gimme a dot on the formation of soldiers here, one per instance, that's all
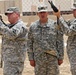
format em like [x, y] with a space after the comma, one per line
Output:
[43, 41]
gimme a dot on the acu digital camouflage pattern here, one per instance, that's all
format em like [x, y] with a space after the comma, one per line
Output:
[69, 29]
[13, 47]
[45, 46]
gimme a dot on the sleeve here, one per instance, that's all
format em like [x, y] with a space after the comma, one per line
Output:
[30, 45]
[69, 30]
[11, 33]
[60, 43]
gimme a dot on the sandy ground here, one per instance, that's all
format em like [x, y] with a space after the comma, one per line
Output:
[64, 68]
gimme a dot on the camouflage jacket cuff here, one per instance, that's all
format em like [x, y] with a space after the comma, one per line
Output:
[31, 56]
[63, 22]
[60, 58]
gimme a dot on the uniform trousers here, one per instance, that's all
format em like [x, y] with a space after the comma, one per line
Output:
[13, 68]
[46, 64]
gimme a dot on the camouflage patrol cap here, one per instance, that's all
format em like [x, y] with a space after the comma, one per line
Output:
[42, 8]
[74, 6]
[12, 10]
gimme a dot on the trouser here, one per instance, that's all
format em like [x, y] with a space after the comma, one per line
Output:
[73, 68]
[72, 59]
[46, 64]
[13, 68]
[73, 71]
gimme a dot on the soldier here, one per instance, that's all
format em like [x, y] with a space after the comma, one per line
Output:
[13, 42]
[69, 29]
[45, 49]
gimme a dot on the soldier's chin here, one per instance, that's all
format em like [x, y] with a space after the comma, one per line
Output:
[43, 17]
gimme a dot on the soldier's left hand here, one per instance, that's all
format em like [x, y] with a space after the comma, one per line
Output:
[60, 62]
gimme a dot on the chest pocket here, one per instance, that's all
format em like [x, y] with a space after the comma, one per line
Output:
[44, 34]
[51, 33]
[37, 34]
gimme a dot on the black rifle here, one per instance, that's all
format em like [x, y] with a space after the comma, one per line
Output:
[2, 21]
[58, 26]
[1, 61]
[53, 6]
[54, 9]
[5, 23]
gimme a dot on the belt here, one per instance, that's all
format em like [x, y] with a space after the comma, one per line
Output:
[52, 52]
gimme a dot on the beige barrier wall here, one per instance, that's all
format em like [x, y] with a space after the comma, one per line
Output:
[2, 7]
[8, 3]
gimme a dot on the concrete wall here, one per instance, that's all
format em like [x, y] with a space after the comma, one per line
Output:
[26, 19]
[1, 6]
[8, 3]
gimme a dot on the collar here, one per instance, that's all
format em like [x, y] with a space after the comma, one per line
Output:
[11, 25]
[46, 25]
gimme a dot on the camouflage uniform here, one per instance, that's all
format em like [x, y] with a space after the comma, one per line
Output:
[45, 47]
[69, 29]
[13, 47]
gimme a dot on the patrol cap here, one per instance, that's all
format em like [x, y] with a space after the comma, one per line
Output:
[42, 8]
[12, 10]
[74, 6]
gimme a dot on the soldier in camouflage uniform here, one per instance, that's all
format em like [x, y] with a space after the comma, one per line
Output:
[13, 42]
[69, 29]
[45, 49]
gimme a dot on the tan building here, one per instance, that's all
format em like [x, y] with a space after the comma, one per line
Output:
[4, 4]
[28, 8]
